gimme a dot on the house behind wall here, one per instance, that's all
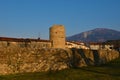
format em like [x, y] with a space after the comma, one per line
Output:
[97, 46]
[78, 45]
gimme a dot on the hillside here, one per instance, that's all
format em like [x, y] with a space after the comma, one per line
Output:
[96, 35]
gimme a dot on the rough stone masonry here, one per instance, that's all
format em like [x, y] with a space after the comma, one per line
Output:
[20, 60]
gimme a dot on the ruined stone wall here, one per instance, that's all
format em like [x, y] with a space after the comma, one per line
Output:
[57, 36]
[40, 44]
[3, 43]
[32, 44]
[19, 60]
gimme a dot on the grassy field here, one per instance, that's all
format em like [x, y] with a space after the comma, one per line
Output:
[109, 71]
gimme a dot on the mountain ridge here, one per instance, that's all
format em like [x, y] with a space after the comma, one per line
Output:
[96, 35]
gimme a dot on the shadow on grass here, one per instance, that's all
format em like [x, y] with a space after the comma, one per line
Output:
[115, 64]
[100, 72]
[112, 68]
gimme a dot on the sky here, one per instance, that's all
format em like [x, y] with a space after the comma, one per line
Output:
[33, 18]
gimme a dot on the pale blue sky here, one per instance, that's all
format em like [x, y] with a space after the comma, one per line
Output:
[31, 18]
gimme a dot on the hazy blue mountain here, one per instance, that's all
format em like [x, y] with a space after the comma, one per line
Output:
[96, 35]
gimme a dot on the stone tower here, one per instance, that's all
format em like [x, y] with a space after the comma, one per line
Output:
[57, 36]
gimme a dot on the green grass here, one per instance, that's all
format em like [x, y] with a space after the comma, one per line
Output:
[109, 71]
